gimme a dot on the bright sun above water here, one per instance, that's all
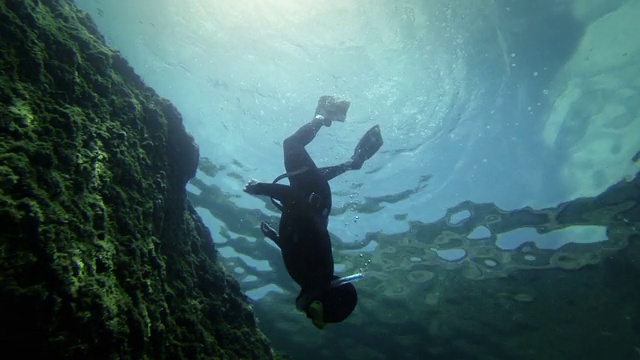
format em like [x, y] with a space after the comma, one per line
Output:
[501, 102]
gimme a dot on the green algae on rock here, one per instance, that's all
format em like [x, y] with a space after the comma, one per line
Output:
[101, 256]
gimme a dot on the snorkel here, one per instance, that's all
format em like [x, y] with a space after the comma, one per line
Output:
[346, 279]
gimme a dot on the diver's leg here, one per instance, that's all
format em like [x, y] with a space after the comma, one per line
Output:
[330, 172]
[306, 180]
[296, 157]
[368, 145]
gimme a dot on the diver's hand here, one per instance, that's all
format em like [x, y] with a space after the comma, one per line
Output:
[251, 187]
[268, 231]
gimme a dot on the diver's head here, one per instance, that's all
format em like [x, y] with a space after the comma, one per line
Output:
[332, 305]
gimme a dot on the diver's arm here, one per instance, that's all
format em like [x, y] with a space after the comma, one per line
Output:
[282, 193]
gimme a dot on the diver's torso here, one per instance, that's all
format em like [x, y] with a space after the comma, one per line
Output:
[305, 243]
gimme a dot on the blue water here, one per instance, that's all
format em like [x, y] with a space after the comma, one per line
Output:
[468, 97]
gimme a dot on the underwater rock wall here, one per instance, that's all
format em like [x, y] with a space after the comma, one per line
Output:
[101, 256]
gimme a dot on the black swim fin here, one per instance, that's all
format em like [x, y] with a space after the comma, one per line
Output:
[368, 145]
[332, 109]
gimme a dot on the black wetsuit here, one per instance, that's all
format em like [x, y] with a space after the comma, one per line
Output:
[306, 203]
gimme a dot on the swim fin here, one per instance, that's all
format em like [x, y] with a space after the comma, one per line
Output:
[332, 109]
[368, 145]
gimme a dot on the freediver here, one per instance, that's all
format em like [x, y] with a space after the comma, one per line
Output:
[303, 237]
